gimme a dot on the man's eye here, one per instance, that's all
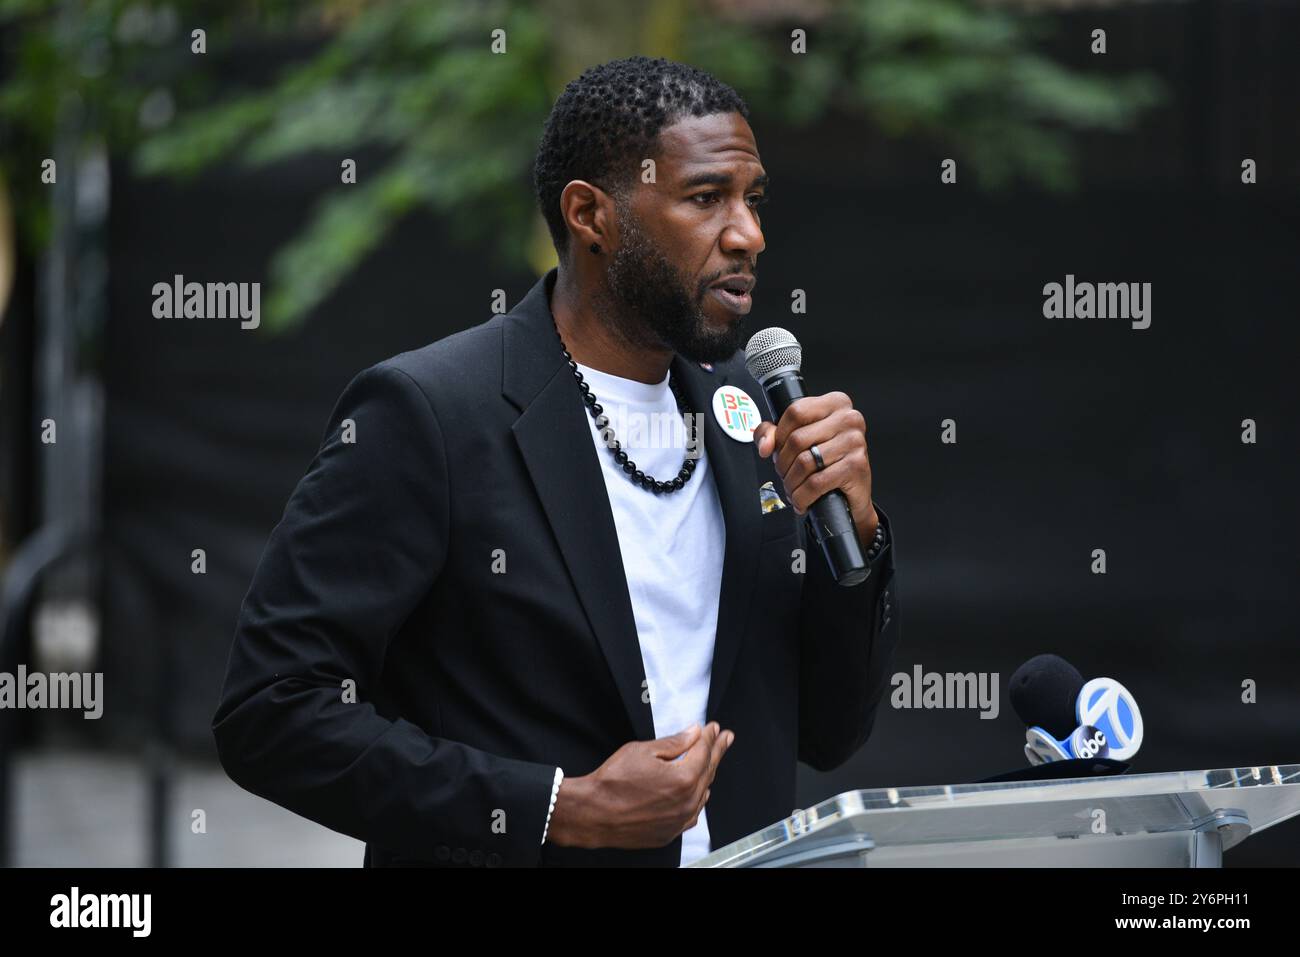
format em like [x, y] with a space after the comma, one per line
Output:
[756, 200]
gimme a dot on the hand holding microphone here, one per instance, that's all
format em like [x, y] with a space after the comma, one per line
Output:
[820, 448]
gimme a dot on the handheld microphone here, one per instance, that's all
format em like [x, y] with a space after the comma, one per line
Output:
[773, 357]
[1070, 718]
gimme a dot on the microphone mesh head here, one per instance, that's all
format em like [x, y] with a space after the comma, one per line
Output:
[771, 349]
[1043, 693]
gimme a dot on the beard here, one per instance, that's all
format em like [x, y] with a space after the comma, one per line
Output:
[649, 305]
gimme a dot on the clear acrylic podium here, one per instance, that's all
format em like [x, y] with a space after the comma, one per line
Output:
[1174, 819]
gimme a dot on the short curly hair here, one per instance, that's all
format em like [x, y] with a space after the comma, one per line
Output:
[608, 120]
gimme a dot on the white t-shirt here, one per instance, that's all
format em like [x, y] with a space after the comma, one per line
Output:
[672, 545]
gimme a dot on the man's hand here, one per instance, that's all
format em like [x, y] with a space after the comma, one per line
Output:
[642, 796]
[840, 433]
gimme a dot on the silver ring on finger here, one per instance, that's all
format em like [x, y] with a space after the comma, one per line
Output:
[817, 457]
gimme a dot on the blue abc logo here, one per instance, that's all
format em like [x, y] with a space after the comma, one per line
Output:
[1107, 705]
[1089, 742]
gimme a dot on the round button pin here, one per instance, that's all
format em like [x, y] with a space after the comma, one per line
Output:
[736, 412]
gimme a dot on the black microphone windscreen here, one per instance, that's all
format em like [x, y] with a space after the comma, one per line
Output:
[1043, 693]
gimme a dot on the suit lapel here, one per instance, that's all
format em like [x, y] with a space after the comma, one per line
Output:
[555, 441]
[554, 438]
[734, 471]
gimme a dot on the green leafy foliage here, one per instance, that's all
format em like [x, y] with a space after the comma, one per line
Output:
[455, 124]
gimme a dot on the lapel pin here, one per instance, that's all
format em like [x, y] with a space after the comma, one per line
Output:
[736, 412]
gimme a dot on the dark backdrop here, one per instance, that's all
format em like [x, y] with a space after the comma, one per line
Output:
[925, 304]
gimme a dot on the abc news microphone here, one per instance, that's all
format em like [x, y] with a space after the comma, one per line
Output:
[1073, 727]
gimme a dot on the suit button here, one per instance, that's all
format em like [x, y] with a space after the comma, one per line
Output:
[458, 856]
[476, 858]
[494, 859]
[442, 852]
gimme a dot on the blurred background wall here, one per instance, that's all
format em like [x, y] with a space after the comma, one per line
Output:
[924, 304]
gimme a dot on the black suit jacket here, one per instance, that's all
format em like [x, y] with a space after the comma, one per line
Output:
[389, 680]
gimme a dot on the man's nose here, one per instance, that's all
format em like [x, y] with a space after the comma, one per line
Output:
[744, 235]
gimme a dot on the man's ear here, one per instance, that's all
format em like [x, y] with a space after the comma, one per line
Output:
[583, 207]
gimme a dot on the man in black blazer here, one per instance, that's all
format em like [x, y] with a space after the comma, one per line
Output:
[441, 629]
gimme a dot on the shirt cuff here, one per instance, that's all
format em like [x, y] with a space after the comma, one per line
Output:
[555, 792]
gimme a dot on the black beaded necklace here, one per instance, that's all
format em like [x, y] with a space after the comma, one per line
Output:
[647, 482]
